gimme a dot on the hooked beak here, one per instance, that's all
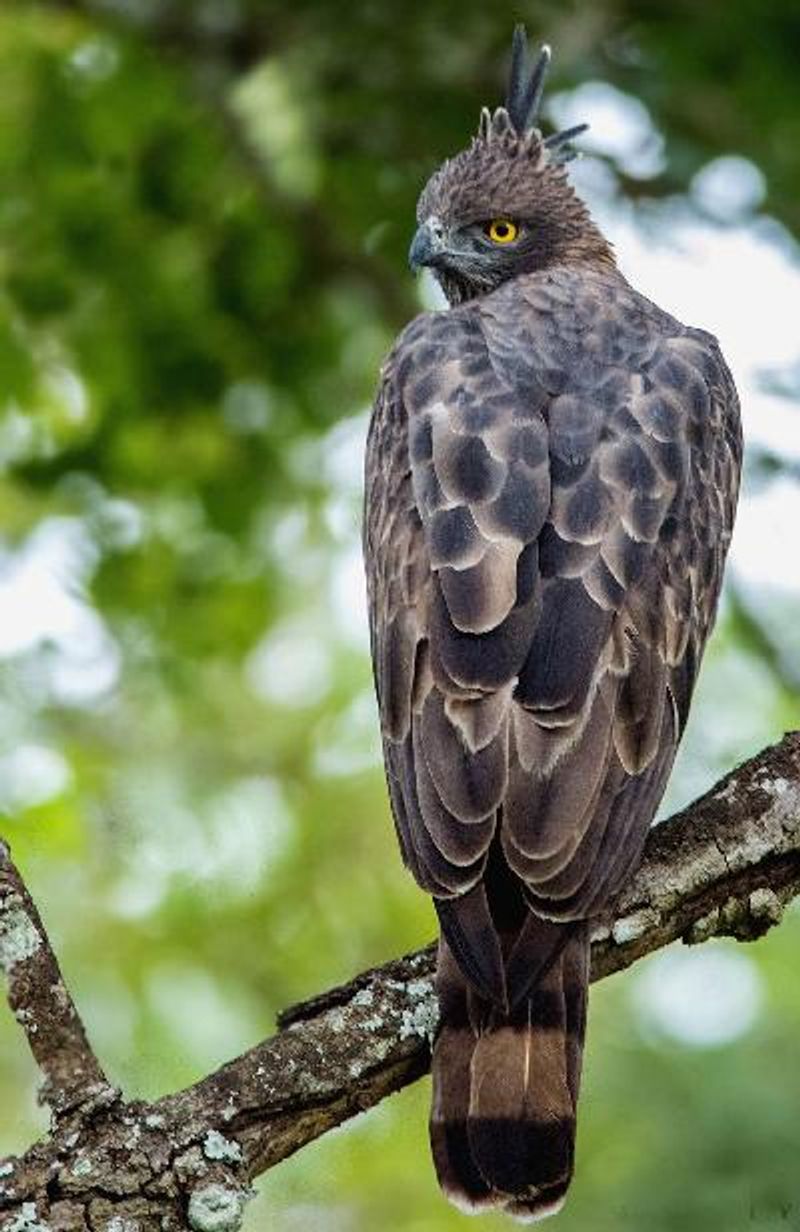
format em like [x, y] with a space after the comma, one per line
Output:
[427, 246]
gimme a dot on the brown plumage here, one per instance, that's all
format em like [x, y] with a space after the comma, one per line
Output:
[551, 479]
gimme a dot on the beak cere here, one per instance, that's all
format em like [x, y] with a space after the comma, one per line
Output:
[427, 245]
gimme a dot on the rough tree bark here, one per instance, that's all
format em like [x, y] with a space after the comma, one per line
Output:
[726, 865]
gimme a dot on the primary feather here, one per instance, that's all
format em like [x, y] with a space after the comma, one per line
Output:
[551, 478]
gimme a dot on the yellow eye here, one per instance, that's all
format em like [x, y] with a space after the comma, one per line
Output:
[502, 230]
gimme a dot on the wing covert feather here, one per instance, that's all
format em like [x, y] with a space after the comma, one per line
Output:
[552, 475]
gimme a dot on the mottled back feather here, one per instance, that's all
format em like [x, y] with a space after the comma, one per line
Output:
[552, 474]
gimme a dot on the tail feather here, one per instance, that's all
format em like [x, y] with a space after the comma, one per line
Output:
[467, 924]
[456, 1169]
[506, 1086]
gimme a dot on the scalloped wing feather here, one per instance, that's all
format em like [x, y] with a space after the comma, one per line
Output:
[551, 480]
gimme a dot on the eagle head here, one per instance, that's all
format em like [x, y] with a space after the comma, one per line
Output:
[504, 206]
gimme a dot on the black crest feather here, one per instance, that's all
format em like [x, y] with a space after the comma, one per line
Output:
[525, 86]
[523, 99]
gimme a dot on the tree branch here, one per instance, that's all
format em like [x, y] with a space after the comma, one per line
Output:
[726, 865]
[40, 1001]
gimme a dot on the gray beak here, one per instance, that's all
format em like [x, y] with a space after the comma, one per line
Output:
[427, 245]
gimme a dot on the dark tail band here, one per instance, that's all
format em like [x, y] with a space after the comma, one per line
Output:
[505, 1086]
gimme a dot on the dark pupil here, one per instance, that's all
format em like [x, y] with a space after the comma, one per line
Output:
[501, 230]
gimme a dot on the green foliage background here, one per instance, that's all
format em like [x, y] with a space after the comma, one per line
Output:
[204, 213]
